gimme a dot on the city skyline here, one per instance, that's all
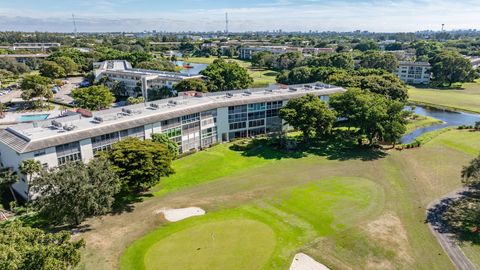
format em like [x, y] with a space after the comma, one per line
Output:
[248, 15]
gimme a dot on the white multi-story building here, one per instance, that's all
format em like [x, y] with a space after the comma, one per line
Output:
[247, 52]
[35, 46]
[137, 81]
[194, 122]
[414, 72]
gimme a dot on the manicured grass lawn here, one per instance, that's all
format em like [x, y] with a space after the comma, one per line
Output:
[262, 235]
[467, 99]
[348, 210]
[421, 121]
[261, 77]
[226, 244]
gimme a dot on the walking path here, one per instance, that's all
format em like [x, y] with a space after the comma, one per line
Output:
[444, 237]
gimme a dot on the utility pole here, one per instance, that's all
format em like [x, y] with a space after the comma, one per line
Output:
[74, 25]
[226, 23]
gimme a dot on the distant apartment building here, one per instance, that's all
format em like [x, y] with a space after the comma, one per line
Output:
[414, 72]
[475, 61]
[35, 46]
[136, 81]
[247, 52]
[193, 121]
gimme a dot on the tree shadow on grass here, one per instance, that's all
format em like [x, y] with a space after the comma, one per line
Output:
[331, 149]
[125, 201]
[435, 216]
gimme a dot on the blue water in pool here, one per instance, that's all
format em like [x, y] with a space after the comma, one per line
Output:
[33, 117]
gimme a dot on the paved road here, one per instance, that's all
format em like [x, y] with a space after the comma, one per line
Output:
[446, 239]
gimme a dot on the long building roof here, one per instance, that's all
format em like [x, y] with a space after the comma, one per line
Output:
[24, 138]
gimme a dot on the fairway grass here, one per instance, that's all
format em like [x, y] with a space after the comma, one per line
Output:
[261, 77]
[262, 235]
[234, 244]
[466, 99]
[349, 210]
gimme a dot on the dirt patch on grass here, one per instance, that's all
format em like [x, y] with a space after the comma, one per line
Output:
[387, 231]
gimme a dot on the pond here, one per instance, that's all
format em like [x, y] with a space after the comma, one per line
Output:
[195, 68]
[449, 118]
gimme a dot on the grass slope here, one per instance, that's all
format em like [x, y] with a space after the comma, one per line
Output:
[467, 99]
[305, 200]
[244, 238]
[421, 121]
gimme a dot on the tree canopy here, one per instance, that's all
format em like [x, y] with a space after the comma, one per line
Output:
[379, 60]
[191, 85]
[23, 247]
[36, 86]
[52, 70]
[157, 65]
[226, 75]
[163, 139]
[310, 115]
[449, 67]
[75, 191]
[140, 164]
[93, 98]
[375, 116]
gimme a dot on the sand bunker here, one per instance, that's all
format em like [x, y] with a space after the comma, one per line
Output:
[302, 261]
[181, 213]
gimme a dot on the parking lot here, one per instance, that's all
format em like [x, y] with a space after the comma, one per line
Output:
[62, 96]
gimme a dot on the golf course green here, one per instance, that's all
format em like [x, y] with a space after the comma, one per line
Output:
[262, 235]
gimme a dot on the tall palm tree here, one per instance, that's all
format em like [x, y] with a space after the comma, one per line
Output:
[8, 177]
[29, 167]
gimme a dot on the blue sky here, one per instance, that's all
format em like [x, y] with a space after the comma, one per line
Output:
[245, 15]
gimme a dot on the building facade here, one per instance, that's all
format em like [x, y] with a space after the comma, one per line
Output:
[136, 82]
[414, 72]
[35, 46]
[248, 52]
[194, 122]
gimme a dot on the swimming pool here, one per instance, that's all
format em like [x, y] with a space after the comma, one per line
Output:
[32, 117]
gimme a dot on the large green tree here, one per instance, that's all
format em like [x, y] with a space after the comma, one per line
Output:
[226, 75]
[67, 64]
[30, 168]
[93, 98]
[388, 85]
[375, 116]
[36, 86]
[310, 115]
[23, 247]
[191, 85]
[8, 177]
[157, 65]
[163, 139]
[75, 191]
[52, 70]
[379, 60]
[449, 67]
[140, 164]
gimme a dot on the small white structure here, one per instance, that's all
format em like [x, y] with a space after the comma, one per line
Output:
[174, 215]
[302, 261]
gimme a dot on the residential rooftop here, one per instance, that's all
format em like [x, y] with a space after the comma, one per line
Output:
[123, 67]
[38, 135]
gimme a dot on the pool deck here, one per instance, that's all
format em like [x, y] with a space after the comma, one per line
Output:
[12, 117]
